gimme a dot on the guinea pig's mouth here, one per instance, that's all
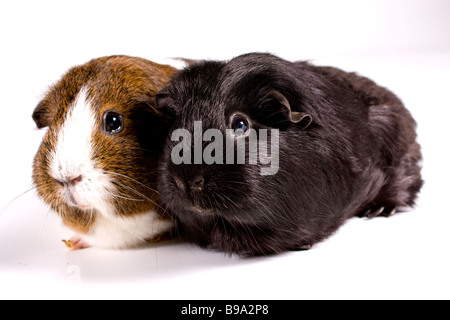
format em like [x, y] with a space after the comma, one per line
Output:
[80, 206]
[74, 201]
[202, 211]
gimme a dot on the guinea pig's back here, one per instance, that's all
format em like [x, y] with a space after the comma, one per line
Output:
[393, 130]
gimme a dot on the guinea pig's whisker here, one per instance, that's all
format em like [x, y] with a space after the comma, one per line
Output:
[218, 221]
[116, 195]
[164, 210]
[227, 202]
[44, 224]
[134, 191]
[131, 179]
[16, 198]
[145, 198]
[91, 215]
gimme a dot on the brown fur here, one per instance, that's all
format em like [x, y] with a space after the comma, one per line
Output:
[120, 83]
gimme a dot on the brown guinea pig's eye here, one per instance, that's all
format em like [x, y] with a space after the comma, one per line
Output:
[112, 122]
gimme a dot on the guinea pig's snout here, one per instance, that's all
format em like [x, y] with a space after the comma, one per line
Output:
[195, 194]
[193, 186]
[70, 181]
[71, 188]
[197, 183]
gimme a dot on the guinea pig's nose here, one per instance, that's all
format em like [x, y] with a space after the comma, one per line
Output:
[74, 180]
[197, 183]
[70, 181]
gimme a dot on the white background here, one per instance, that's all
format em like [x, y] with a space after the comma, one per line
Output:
[403, 45]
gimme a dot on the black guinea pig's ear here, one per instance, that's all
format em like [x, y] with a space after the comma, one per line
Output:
[44, 114]
[302, 119]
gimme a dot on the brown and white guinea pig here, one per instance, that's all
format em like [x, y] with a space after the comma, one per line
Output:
[93, 167]
[345, 146]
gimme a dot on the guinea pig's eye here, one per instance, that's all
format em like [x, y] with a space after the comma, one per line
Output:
[112, 122]
[240, 123]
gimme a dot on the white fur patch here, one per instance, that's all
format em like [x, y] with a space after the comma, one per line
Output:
[125, 232]
[177, 63]
[72, 157]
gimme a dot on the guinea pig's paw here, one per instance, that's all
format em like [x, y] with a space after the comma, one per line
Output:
[76, 243]
[379, 211]
[301, 247]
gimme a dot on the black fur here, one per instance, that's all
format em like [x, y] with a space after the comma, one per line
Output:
[358, 156]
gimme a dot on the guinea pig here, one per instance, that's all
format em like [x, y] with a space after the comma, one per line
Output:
[327, 145]
[98, 162]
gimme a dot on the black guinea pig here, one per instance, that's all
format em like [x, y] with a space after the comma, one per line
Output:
[268, 156]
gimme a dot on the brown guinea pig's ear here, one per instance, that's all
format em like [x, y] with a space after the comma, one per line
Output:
[44, 114]
[164, 103]
[147, 101]
[303, 119]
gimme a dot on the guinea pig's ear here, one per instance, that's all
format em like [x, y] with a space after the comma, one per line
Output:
[303, 119]
[164, 103]
[44, 114]
[147, 102]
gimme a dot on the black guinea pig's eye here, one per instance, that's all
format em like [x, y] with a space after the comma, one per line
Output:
[240, 123]
[112, 122]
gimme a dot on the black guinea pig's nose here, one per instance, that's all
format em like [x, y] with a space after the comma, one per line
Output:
[197, 183]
